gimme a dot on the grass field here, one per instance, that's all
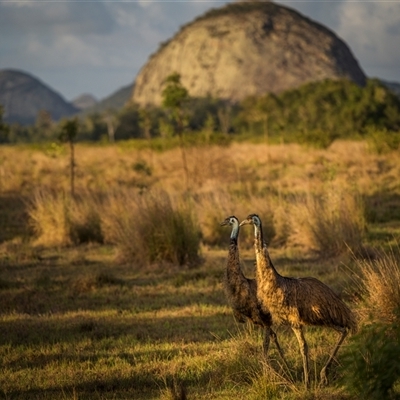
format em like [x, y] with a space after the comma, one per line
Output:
[86, 319]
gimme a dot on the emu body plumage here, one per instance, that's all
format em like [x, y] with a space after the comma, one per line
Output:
[298, 301]
[241, 292]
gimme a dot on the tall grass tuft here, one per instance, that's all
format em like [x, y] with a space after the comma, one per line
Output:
[59, 220]
[151, 228]
[85, 219]
[48, 212]
[371, 364]
[214, 207]
[380, 285]
[330, 224]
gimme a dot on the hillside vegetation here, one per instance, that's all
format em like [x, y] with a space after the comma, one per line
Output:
[314, 114]
[117, 291]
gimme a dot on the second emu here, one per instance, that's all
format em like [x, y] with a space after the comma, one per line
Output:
[298, 301]
[241, 292]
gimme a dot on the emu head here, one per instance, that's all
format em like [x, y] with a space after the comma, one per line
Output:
[232, 221]
[252, 219]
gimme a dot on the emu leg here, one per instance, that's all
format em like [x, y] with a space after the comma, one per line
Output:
[324, 370]
[266, 341]
[272, 334]
[304, 353]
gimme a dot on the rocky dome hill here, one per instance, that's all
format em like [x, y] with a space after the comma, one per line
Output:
[247, 49]
[22, 96]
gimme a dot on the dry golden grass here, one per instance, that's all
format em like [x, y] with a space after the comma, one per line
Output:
[380, 285]
[330, 223]
[59, 220]
[240, 167]
[76, 322]
[312, 199]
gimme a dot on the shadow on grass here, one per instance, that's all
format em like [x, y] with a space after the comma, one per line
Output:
[382, 207]
[26, 330]
[87, 294]
[134, 387]
[99, 354]
[13, 217]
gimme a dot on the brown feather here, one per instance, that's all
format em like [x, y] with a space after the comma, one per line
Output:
[298, 301]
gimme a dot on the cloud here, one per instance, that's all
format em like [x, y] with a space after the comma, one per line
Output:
[52, 34]
[373, 32]
[326, 13]
[370, 29]
[58, 17]
[95, 46]
[99, 44]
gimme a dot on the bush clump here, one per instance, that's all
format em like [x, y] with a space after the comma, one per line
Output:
[60, 220]
[331, 224]
[371, 364]
[150, 228]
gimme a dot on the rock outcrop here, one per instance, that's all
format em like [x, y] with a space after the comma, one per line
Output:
[247, 48]
[22, 97]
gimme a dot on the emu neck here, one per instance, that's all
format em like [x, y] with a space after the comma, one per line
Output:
[265, 269]
[235, 233]
[233, 270]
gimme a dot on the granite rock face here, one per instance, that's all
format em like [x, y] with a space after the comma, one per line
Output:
[247, 49]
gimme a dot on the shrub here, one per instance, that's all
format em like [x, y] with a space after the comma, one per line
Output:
[215, 206]
[84, 221]
[380, 285]
[330, 224]
[371, 364]
[149, 228]
[59, 220]
[49, 217]
[316, 138]
[383, 141]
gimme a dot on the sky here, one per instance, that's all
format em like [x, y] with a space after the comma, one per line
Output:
[97, 47]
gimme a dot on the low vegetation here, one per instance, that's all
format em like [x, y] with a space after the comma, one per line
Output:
[373, 356]
[116, 291]
[314, 114]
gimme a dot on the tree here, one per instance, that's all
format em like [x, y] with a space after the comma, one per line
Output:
[44, 124]
[111, 119]
[225, 118]
[69, 131]
[174, 96]
[145, 122]
[4, 129]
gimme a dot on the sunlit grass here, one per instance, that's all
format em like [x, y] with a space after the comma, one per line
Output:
[78, 325]
[79, 321]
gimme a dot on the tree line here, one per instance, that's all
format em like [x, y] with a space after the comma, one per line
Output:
[316, 113]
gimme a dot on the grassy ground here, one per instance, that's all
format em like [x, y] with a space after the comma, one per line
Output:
[77, 322]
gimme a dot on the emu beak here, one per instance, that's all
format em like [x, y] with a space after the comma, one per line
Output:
[246, 221]
[224, 223]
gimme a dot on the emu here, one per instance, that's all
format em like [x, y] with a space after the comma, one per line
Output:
[298, 301]
[241, 292]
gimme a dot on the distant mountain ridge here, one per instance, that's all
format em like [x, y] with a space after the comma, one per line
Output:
[84, 101]
[114, 101]
[22, 96]
[393, 86]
